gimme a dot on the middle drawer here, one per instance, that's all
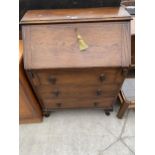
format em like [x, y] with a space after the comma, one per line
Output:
[53, 92]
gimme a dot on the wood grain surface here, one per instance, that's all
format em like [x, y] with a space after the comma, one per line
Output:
[75, 15]
[29, 109]
[78, 76]
[108, 45]
[61, 74]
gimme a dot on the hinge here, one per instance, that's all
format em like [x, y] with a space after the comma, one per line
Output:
[33, 78]
[31, 74]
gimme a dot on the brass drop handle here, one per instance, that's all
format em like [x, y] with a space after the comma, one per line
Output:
[96, 104]
[52, 79]
[99, 92]
[82, 44]
[56, 93]
[102, 77]
[58, 104]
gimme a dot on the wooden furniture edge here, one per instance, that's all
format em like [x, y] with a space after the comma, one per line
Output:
[37, 16]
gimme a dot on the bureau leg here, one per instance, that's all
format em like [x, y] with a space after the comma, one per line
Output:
[46, 113]
[107, 112]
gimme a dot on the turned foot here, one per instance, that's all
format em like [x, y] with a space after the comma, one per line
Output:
[107, 112]
[46, 114]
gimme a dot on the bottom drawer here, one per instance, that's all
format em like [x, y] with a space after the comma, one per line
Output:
[79, 103]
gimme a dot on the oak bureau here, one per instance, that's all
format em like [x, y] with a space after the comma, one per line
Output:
[77, 58]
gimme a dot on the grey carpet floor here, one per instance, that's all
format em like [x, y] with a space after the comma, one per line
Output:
[80, 132]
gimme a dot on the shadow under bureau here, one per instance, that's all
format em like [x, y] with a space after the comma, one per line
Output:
[77, 58]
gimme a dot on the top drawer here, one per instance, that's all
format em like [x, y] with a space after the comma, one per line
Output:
[86, 76]
[57, 45]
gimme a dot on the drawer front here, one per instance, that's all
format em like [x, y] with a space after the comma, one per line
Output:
[80, 103]
[64, 92]
[79, 76]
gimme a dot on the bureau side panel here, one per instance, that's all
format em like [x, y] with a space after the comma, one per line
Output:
[126, 44]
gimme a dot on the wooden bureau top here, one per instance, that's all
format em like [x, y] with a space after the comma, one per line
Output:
[75, 15]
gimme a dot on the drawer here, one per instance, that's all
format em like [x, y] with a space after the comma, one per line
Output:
[79, 76]
[80, 103]
[54, 92]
